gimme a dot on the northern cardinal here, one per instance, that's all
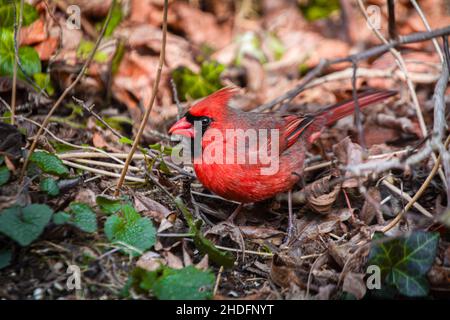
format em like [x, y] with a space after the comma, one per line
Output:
[245, 182]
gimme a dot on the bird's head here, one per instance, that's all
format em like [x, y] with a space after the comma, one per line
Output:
[208, 111]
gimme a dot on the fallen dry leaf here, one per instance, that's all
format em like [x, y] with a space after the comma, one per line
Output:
[354, 283]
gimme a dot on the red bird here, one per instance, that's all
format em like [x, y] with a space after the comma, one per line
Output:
[245, 182]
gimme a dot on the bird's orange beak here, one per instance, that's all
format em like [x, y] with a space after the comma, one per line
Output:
[183, 128]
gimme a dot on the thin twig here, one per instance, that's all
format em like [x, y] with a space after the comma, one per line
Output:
[358, 120]
[96, 116]
[101, 172]
[428, 28]
[98, 152]
[363, 55]
[17, 27]
[66, 91]
[391, 20]
[152, 101]
[406, 196]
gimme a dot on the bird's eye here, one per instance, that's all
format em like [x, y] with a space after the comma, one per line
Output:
[205, 121]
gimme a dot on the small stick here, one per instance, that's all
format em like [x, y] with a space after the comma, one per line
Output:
[358, 120]
[427, 26]
[152, 101]
[17, 27]
[406, 196]
[96, 116]
[102, 172]
[391, 20]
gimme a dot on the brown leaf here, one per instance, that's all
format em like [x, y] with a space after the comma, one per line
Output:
[439, 276]
[47, 48]
[253, 232]
[34, 33]
[200, 27]
[151, 207]
[172, 260]
[354, 283]
[203, 264]
[371, 205]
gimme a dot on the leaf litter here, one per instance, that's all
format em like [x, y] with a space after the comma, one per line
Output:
[167, 228]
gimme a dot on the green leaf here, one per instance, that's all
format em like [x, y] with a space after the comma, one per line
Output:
[116, 18]
[204, 245]
[61, 218]
[85, 48]
[29, 14]
[126, 140]
[28, 56]
[83, 217]
[5, 258]
[131, 231]
[118, 56]
[25, 225]
[49, 163]
[50, 186]
[79, 215]
[4, 175]
[109, 206]
[405, 261]
[190, 84]
[30, 61]
[188, 283]
[318, 9]
[44, 82]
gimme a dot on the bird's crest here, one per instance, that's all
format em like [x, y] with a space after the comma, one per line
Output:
[213, 104]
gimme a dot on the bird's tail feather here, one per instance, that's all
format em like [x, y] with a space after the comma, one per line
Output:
[345, 108]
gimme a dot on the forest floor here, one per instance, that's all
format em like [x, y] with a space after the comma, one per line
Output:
[163, 236]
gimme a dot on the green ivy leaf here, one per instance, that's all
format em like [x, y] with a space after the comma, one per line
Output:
[188, 283]
[4, 175]
[198, 85]
[5, 258]
[205, 246]
[405, 261]
[25, 225]
[29, 14]
[28, 56]
[49, 163]
[49, 186]
[133, 232]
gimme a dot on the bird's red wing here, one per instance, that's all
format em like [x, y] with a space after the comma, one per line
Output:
[294, 127]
